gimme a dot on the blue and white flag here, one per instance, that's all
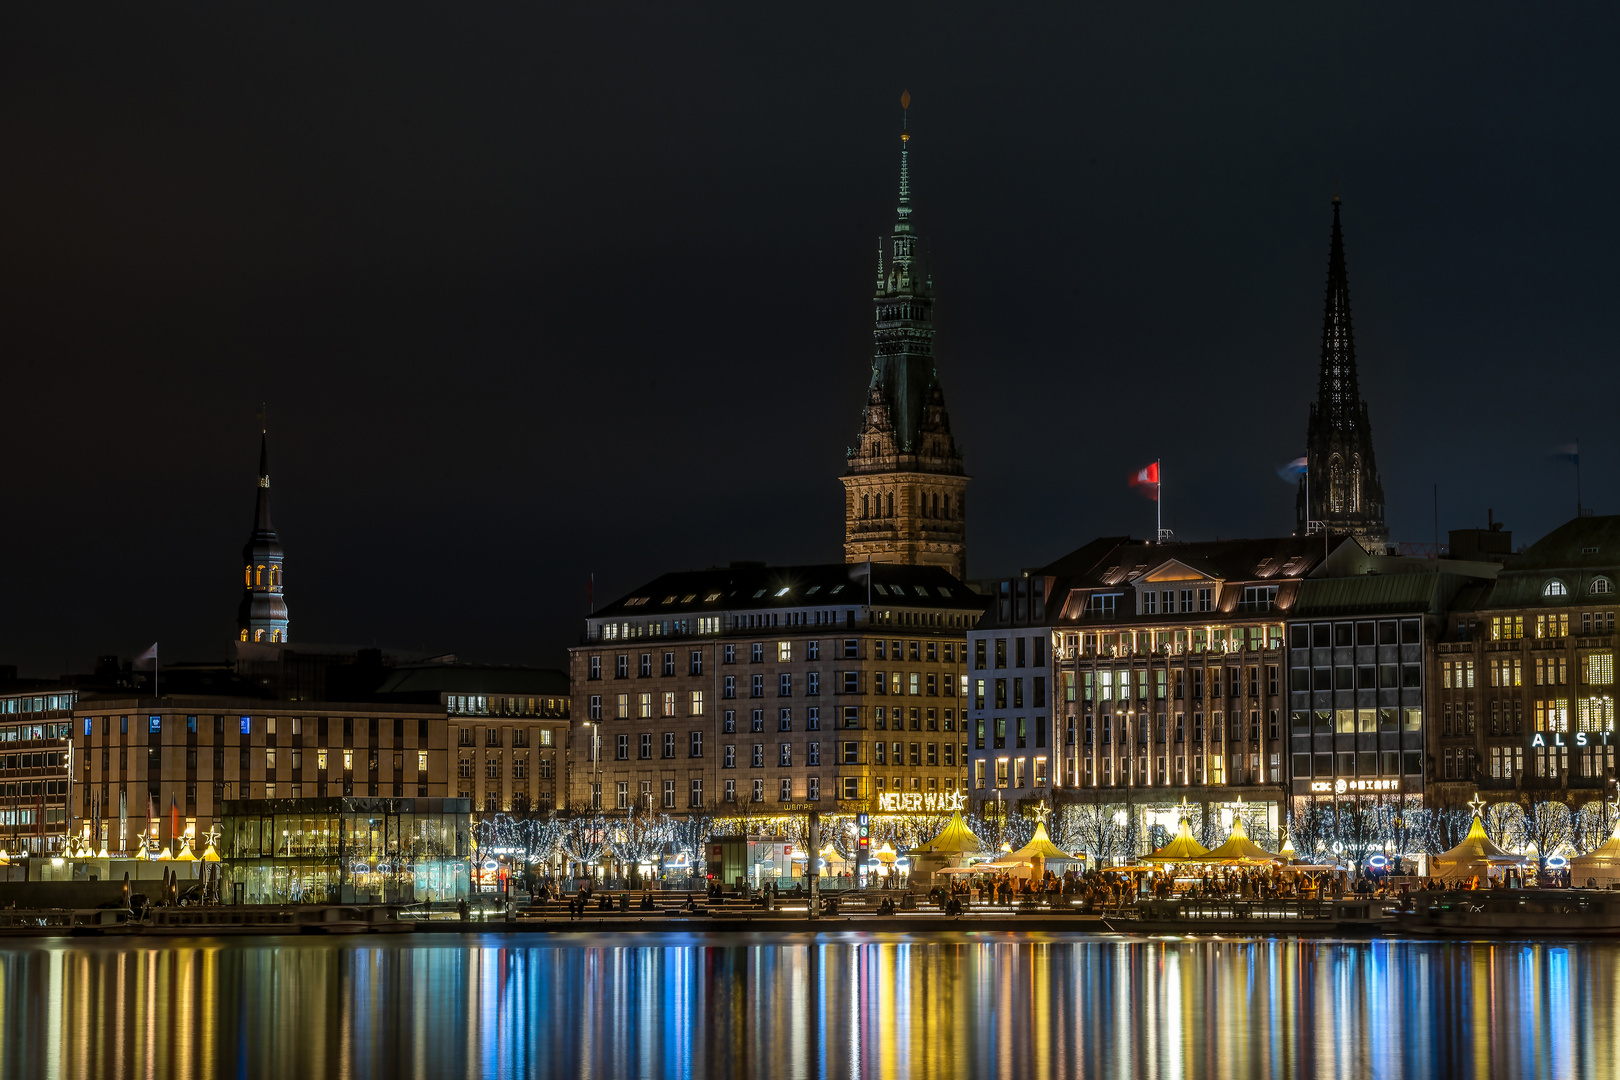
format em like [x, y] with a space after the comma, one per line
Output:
[1294, 469]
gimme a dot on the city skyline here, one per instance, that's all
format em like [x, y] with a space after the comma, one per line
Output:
[1211, 276]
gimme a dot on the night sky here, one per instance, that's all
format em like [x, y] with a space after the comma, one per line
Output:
[531, 296]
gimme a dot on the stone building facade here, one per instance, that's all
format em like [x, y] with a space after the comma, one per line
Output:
[751, 689]
[1526, 674]
[1139, 674]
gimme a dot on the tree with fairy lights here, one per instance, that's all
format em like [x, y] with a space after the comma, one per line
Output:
[585, 840]
[689, 838]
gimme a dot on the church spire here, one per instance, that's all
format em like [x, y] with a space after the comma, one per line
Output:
[1341, 490]
[262, 614]
[1338, 395]
[261, 514]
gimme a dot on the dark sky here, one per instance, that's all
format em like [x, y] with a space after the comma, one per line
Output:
[534, 295]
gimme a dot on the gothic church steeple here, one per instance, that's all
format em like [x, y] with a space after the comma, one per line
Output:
[262, 614]
[1341, 490]
[904, 491]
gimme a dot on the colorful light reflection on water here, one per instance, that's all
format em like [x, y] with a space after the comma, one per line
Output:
[982, 1005]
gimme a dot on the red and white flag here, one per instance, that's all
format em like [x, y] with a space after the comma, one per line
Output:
[1148, 480]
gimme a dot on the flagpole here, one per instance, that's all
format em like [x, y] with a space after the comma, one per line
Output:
[1577, 478]
[1158, 468]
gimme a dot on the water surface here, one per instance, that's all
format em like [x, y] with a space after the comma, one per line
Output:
[839, 1005]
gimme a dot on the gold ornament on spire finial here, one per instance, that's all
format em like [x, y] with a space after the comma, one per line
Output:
[905, 99]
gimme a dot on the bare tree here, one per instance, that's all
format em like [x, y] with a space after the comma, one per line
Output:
[585, 838]
[1504, 824]
[1547, 825]
[1447, 826]
[1594, 824]
[689, 836]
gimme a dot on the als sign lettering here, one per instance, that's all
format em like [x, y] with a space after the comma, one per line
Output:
[1582, 738]
[918, 802]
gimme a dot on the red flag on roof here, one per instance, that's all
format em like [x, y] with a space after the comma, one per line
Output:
[1147, 479]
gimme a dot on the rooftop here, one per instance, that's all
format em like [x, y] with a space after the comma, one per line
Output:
[756, 587]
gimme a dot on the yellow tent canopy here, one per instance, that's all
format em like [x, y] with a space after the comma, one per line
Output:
[1239, 848]
[954, 839]
[1475, 855]
[1180, 850]
[1602, 862]
[1040, 845]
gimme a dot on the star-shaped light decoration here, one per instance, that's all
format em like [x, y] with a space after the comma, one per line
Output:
[1478, 805]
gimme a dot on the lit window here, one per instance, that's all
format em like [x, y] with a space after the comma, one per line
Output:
[1555, 588]
[784, 652]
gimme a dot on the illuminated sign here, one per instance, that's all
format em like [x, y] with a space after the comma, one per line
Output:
[918, 802]
[1582, 738]
[1339, 787]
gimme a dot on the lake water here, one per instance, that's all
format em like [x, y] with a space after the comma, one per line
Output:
[871, 1005]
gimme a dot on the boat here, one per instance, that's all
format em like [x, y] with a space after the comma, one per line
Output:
[1513, 913]
[1187, 915]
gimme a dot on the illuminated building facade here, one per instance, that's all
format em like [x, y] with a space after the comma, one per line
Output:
[1361, 695]
[508, 730]
[1139, 674]
[1340, 490]
[262, 615]
[142, 765]
[760, 689]
[905, 494]
[35, 756]
[1525, 674]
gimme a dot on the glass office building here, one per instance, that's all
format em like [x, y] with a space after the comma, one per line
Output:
[346, 850]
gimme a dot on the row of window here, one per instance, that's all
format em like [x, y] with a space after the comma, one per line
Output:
[45, 703]
[881, 649]
[1344, 635]
[1178, 733]
[265, 725]
[1160, 683]
[1357, 677]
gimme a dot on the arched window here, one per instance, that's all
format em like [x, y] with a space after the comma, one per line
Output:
[947, 506]
[1554, 587]
[866, 506]
[258, 635]
[244, 635]
[1335, 499]
[247, 583]
[258, 577]
[275, 577]
[1601, 586]
[1355, 484]
[891, 505]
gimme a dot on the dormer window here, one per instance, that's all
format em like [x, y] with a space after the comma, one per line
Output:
[1554, 587]
[1601, 586]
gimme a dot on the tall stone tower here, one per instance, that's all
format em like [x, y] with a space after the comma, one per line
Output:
[1340, 490]
[262, 615]
[905, 494]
